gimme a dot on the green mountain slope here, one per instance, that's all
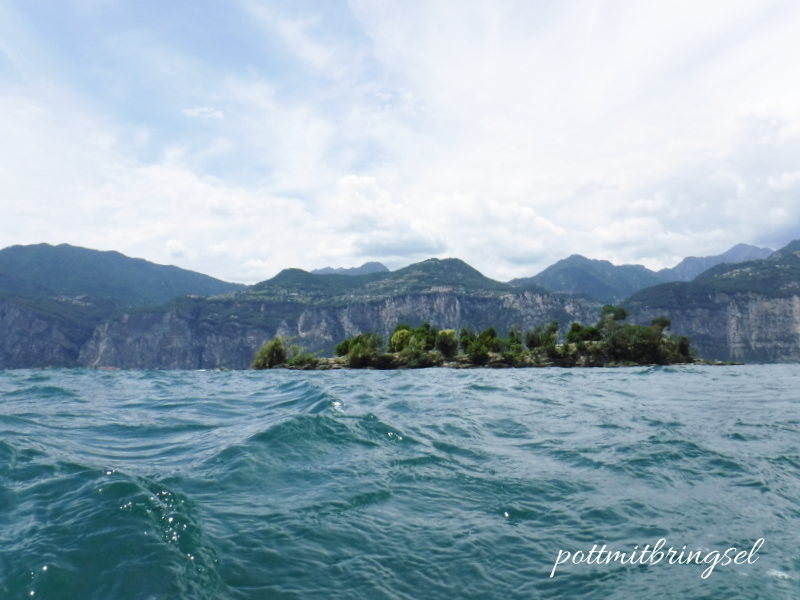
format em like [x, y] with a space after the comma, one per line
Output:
[433, 275]
[45, 271]
[691, 266]
[76, 288]
[595, 278]
[777, 276]
[790, 248]
[745, 312]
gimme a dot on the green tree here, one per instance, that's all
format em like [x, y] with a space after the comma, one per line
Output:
[465, 338]
[364, 350]
[661, 323]
[342, 348]
[579, 334]
[427, 333]
[533, 338]
[478, 353]
[447, 342]
[416, 355]
[399, 340]
[488, 338]
[682, 344]
[296, 356]
[272, 354]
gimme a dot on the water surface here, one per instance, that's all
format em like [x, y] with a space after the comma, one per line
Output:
[398, 485]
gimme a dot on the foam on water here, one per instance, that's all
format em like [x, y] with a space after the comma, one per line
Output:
[426, 484]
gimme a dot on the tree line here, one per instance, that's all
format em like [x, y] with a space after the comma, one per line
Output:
[609, 341]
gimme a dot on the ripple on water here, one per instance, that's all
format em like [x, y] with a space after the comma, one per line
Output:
[436, 484]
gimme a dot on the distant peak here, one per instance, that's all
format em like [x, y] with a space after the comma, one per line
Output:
[366, 268]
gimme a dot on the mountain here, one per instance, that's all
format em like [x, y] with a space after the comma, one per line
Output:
[596, 278]
[443, 275]
[790, 248]
[61, 293]
[321, 310]
[365, 269]
[692, 266]
[64, 271]
[746, 311]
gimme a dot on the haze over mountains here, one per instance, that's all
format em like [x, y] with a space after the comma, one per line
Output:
[68, 306]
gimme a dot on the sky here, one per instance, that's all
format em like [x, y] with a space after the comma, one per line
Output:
[240, 137]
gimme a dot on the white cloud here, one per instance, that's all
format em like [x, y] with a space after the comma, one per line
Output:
[175, 249]
[507, 133]
[784, 182]
[203, 112]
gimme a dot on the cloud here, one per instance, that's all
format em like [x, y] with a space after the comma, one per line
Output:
[203, 112]
[510, 134]
[175, 249]
[784, 182]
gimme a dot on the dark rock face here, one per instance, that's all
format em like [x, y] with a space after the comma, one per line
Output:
[172, 340]
[743, 327]
[28, 341]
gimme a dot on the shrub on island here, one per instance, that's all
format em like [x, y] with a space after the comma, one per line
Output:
[416, 355]
[542, 337]
[363, 350]
[399, 340]
[447, 343]
[275, 354]
[272, 354]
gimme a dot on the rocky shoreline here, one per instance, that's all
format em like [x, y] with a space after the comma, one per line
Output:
[393, 362]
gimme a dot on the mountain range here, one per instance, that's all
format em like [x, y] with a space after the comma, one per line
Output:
[366, 268]
[69, 306]
[613, 283]
[691, 267]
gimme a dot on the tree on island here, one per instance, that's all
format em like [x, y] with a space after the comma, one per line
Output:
[275, 354]
[610, 341]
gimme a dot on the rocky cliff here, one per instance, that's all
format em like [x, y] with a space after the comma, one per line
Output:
[27, 340]
[746, 312]
[183, 339]
[740, 327]
[176, 339]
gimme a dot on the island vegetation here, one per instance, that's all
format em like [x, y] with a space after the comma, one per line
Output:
[610, 342]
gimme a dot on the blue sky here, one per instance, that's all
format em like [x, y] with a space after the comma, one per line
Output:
[238, 138]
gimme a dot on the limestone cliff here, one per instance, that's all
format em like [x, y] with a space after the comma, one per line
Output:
[740, 327]
[28, 341]
[172, 340]
[184, 340]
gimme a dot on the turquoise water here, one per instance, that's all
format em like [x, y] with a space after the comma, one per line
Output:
[396, 485]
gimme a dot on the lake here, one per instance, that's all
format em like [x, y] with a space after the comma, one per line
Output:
[424, 484]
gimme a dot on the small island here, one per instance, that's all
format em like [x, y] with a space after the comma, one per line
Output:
[609, 343]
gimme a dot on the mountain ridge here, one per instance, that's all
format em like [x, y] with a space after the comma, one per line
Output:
[692, 266]
[43, 270]
[600, 279]
[743, 311]
[365, 269]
